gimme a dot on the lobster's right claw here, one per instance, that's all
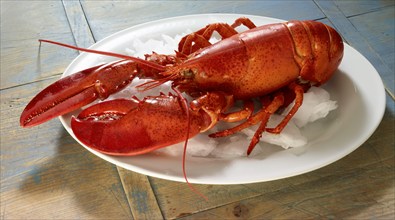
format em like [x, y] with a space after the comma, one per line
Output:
[77, 90]
[132, 127]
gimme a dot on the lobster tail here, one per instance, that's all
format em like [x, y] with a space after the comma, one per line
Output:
[318, 50]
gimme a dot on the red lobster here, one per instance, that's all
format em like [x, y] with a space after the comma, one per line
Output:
[276, 63]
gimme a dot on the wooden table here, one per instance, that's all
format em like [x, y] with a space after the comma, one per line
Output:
[45, 174]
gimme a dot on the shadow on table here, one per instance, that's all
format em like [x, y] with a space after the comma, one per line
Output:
[359, 185]
[77, 184]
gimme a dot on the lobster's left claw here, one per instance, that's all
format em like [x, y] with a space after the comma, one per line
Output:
[131, 127]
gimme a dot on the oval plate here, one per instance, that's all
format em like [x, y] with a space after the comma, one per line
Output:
[357, 87]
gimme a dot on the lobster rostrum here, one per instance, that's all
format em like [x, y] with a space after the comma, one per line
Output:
[274, 63]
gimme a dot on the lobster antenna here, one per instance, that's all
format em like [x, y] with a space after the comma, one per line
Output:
[155, 83]
[185, 105]
[111, 54]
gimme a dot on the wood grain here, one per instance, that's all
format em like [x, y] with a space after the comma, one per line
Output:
[140, 195]
[22, 60]
[380, 36]
[107, 17]
[352, 35]
[45, 174]
[350, 9]
[78, 24]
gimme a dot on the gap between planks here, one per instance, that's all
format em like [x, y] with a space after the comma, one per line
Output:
[355, 38]
[138, 190]
[137, 187]
[56, 76]
[140, 195]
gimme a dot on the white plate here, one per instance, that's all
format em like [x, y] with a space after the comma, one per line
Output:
[356, 86]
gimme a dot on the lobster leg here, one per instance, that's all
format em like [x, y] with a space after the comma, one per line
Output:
[243, 21]
[262, 117]
[197, 40]
[200, 39]
[299, 92]
[244, 113]
[277, 102]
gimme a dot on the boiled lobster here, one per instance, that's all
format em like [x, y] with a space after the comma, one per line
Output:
[274, 64]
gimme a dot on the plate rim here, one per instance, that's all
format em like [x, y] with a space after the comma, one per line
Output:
[198, 181]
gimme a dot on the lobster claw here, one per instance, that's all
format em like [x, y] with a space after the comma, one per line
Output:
[79, 89]
[131, 127]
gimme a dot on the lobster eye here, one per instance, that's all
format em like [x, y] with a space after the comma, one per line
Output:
[189, 73]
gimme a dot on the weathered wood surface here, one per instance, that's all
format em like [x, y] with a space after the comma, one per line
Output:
[45, 174]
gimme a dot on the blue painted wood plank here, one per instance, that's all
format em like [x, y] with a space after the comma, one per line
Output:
[78, 24]
[62, 180]
[46, 174]
[352, 36]
[357, 7]
[22, 59]
[140, 195]
[107, 18]
[378, 29]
